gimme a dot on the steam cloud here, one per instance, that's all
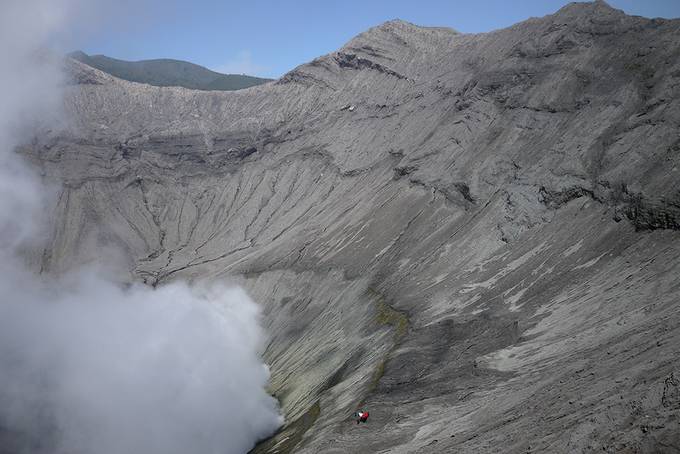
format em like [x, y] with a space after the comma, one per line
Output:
[87, 366]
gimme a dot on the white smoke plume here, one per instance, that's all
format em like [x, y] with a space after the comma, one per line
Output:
[85, 365]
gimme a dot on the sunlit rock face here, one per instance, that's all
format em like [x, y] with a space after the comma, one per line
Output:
[475, 237]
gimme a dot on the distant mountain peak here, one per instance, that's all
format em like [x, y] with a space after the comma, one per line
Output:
[166, 72]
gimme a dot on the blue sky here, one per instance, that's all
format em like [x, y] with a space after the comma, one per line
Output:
[268, 38]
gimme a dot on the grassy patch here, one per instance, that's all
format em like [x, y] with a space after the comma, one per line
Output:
[284, 441]
[387, 315]
[377, 375]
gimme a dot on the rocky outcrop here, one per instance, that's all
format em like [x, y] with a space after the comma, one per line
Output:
[473, 236]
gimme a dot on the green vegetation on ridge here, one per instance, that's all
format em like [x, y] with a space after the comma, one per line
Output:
[168, 73]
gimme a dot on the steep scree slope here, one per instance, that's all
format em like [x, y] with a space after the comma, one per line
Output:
[474, 236]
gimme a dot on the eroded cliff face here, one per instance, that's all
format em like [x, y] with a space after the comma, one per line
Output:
[473, 236]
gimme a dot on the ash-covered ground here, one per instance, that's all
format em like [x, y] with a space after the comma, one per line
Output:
[475, 237]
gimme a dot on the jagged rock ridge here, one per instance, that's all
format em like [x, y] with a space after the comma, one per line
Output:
[483, 250]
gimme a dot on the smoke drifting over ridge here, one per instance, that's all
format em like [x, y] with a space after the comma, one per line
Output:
[86, 366]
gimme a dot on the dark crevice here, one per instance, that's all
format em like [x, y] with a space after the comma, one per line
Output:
[352, 61]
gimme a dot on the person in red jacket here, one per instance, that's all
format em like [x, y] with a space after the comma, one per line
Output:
[361, 416]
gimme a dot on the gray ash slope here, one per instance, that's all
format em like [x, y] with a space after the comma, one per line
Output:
[473, 236]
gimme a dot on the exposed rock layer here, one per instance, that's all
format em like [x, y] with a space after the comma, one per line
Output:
[474, 236]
